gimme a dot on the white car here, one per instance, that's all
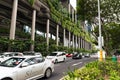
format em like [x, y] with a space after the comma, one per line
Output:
[25, 68]
[57, 56]
[7, 55]
[32, 53]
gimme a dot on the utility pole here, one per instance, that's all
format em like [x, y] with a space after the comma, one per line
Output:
[100, 37]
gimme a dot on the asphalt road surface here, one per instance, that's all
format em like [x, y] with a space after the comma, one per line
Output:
[70, 64]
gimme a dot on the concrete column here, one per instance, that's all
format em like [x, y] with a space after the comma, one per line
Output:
[64, 36]
[51, 36]
[73, 40]
[57, 34]
[81, 43]
[47, 33]
[73, 15]
[69, 9]
[85, 45]
[13, 20]
[76, 42]
[69, 39]
[90, 46]
[33, 29]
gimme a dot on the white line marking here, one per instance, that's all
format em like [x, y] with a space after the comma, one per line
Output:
[76, 64]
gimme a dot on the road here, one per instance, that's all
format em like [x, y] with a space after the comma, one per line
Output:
[70, 64]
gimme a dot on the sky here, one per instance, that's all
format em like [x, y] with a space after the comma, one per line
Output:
[73, 3]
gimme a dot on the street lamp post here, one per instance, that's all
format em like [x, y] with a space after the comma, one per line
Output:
[100, 37]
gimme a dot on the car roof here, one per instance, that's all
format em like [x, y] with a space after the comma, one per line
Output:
[9, 52]
[28, 56]
[58, 52]
[31, 52]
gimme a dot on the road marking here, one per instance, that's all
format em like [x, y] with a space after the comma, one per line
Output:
[76, 64]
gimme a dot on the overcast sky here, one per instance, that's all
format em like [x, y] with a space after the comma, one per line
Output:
[73, 3]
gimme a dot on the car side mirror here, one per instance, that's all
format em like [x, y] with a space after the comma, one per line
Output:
[25, 64]
[57, 55]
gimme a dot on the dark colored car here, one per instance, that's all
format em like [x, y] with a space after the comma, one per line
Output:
[77, 56]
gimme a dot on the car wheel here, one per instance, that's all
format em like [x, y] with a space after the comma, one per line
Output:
[6, 79]
[48, 73]
[56, 61]
[64, 60]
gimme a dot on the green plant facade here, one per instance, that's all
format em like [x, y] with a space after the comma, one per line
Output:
[59, 16]
[23, 42]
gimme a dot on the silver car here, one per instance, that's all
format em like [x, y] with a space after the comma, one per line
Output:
[7, 55]
[25, 68]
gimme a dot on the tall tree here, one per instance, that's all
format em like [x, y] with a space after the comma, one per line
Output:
[88, 10]
[110, 13]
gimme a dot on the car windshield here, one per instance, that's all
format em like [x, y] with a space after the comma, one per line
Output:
[53, 54]
[75, 54]
[12, 62]
[7, 54]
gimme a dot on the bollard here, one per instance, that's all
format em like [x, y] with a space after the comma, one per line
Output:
[114, 58]
[101, 55]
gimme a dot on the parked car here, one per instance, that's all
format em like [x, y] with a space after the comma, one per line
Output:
[32, 53]
[7, 55]
[87, 55]
[57, 56]
[26, 68]
[76, 55]
[69, 55]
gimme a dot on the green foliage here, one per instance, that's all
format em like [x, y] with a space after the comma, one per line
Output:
[31, 1]
[40, 39]
[14, 45]
[114, 75]
[69, 50]
[96, 71]
[60, 15]
[4, 30]
[111, 36]
[22, 34]
[88, 10]
[53, 48]
[83, 74]
[3, 44]
[41, 47]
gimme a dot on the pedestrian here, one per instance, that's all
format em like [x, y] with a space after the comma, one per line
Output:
[118, 59]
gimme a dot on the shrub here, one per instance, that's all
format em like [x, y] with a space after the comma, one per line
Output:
[106, 70]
